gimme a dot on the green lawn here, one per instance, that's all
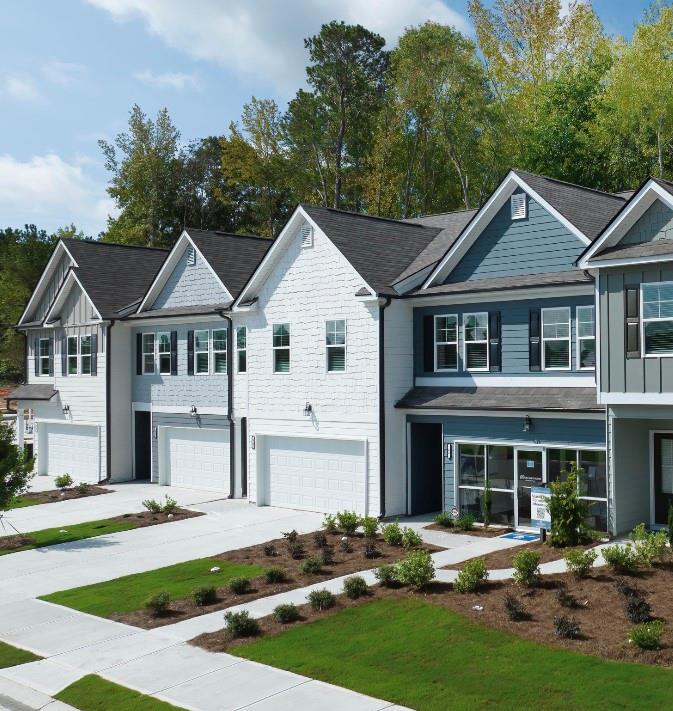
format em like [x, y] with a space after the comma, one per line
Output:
[22, 501]
[129, 593]
[76, 532]
[424, 656]
[11, 656]
[92, 693]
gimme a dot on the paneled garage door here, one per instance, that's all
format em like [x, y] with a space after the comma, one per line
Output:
[325, 475]
[72, 449]
[196, 458]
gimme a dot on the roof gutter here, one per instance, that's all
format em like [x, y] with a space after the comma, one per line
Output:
[382, 406]
[230, 403]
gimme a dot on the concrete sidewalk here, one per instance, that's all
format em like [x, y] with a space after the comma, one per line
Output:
[17, 697]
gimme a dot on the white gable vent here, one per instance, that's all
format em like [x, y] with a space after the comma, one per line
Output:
[191, 256]
[518, 204]
[306, 236]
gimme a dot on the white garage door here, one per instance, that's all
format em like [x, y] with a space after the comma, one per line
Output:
[196, 458]
[325, 475]
[72, 449]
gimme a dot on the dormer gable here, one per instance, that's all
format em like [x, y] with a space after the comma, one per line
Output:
[72, 305]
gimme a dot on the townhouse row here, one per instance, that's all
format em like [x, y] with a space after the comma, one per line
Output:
[389, 367]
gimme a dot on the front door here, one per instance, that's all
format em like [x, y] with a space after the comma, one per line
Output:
[427, 468]
[143, 444]
[529, 473]
[663, 476]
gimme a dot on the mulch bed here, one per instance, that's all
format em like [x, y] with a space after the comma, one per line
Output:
[53, 495]
[479, 531]
[345, 563]
[603, 624]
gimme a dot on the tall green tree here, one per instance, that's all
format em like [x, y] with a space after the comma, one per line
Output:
[15, 468]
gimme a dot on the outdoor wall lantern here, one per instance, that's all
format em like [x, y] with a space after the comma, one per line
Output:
[66, 409]
[308, 410]
[155, 432]
[449, 451]
[527, 423]
[192, 412]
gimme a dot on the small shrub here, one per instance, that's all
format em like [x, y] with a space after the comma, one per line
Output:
[387, 576]
[624, 587]
[444, 519]
[566, 598]
[621, 559]
[348, 522]
[329, 524]
[158, 604]
[579, 562]
[170, 506]
[205, 595]
[327, 555]
[312, 566]
[473, 575]
[411, 539]
[370, 526]
[417, 569]
[647, 635]
[83, 488]
[290, 536]
[319, 539]
[152, 505]
[649, 547]
[568, 512]
[63, 481]
[526, 568]
[466, 522]
[345, 545]
[566, 627]
[269, 550]
[275, 575]
[321, 599]
[514, 608]
[392, 534]
[296, 550]
[284, 614]
[355, 587]
[240, 586]
[371, 551]
[637, 609]
[240, 624]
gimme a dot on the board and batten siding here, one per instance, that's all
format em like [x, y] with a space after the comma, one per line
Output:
[51, 289]
[77, 308]
[537, 244]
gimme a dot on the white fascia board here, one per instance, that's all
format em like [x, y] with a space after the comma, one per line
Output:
[469, 236]
[632, 261]
[170, 320]
[537, 414]
[628, 217]
[635, 398]
[506, 295]
[413, 280]
[63, 292]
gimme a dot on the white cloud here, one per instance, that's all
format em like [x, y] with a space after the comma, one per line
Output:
[63, 73]
[20, 88]
[264, 39]
[168, 80]
[52, 192]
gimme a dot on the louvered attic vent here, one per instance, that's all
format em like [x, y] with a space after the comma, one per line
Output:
[518, 204]
[191, 256]
[306, 236]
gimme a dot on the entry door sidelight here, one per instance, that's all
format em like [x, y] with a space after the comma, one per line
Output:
[663, 476]
[530, 473]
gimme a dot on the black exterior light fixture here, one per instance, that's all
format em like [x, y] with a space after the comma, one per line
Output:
[192, 412]
[66, 409]
[527, 423]
[308, 409]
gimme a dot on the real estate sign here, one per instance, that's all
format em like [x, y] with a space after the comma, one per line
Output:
[539, 507]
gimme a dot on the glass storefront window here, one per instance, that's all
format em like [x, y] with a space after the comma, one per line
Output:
[501, 467]
[559, 463]
[472, 464]
[593, 481]
[598, 515]
[502, 508]
[470, 502]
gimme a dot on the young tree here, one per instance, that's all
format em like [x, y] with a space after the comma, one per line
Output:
[15, 468]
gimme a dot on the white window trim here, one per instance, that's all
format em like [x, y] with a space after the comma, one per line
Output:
[152, 352]
[159, 353]
[241, 350]
[643, 320]
[275, 348]
[75, 355]
[81, 356]
[579, 339]
[224, 350]
[465, 342]
[336, 345]
[207, 351]
[40, 357]
[569, 338]
[445, 343]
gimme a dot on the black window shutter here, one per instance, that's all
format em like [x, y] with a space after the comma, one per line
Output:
[51, 356]
[139, 353]
[94, 354]
[36, 355]
[190, 352]
[632, 321]
[534, 341]
[174, 352]
[494, 342]
[428, 344]
[64, 356]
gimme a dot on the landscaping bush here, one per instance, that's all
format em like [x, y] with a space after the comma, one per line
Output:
[319, 539]
[348, 522]
[321, 599]
[275, 575]
[269, 550]
[240, 586]
[240, 624]
[296, 550]
[355, 587]
[158, 604]
[566, 627]
[345, 545]
[329, 524]
[526, 568]
[205, 595]
[514, 608]
[621, 558]
[83, 488]
[387, 576]
[647, 635]
[637, 609]
[624, 587]
[444, 519]
[371, 551]
[327, 555]
[579, 562]
[170, 506]
[152, 505]
[568, 512]
[649, 547]
[392, 534]
[466, 522]
[370, 526]
[286, 613]
[473, 575]
[312, 566]
[63, 481]
[290, 536]
[417, 569]
[411, 539]
[566, 598]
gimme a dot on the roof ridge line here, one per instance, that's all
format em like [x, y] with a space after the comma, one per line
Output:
[113, 244]
[362, 214]
[572, 185]
[224, 233]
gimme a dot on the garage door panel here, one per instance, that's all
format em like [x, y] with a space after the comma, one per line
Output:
[197, 458]
[72, 449]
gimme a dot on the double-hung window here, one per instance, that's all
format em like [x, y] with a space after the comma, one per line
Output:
[201, 352]
[335, 340]
[556, 338]
[242, 349]
[475, 328]
[220, 350]
[446, 342]
[658, 318]
[164, 353]
[85, 355]
[586, 338]
[281, 347]
[72, 364]
[148, 353]
[44, 347]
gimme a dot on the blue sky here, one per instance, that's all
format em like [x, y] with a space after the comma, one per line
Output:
[70, 71]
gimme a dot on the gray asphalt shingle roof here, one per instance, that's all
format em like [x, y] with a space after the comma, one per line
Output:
[632, 251]
[35, 391]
